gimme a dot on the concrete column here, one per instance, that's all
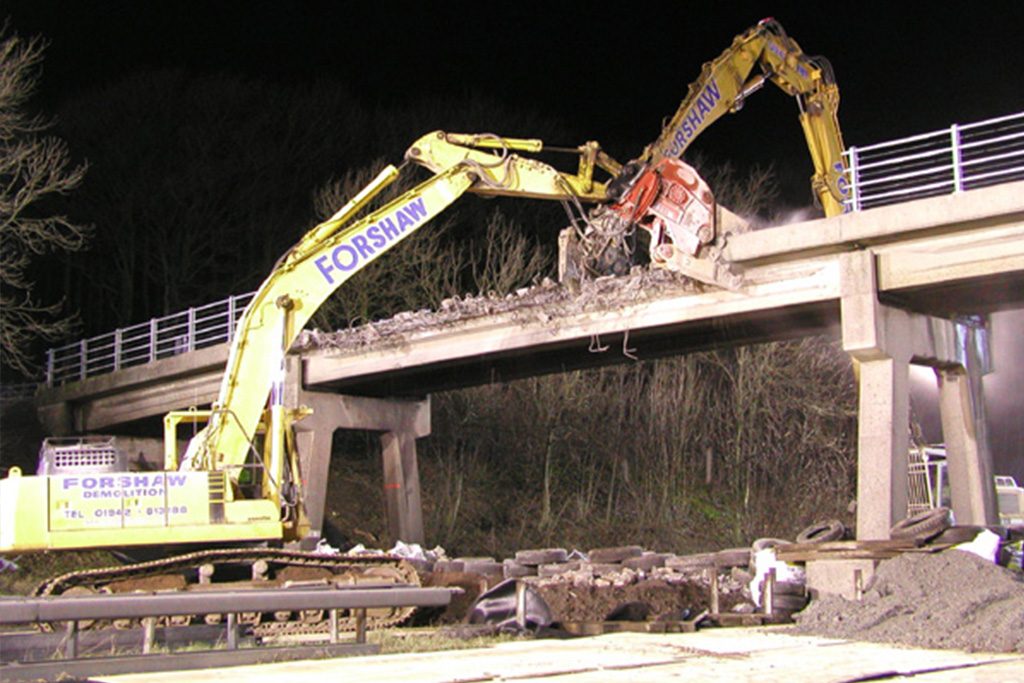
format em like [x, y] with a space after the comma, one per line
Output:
[877, 339]
[402, 486]
[401, 422]
[883, 341]
[882, 446]
[313, 441]
[968, 459]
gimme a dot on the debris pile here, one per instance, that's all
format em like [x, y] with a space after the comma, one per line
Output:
[545, 302]
[952, 599]
[612, 584]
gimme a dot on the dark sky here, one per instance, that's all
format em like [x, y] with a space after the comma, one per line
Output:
[610, 74]
[607, 74]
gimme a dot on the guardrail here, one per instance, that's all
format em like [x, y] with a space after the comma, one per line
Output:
[170, 335]
[962, 157]
[70, 610]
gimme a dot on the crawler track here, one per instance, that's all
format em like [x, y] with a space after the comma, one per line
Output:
[247, 568]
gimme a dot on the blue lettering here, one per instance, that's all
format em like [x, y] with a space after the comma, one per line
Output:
[702, 106]
[690, 125]
[712, 91]
[336, 257]
[403, 221]
[363, 247]
[325, 269]
[89, 483]
[175, 479]
[388, 226]
[70, 482]
[416, 208]
[365, 250]
[141, 481]
[694, 119]
[106, 482]
[375, 235]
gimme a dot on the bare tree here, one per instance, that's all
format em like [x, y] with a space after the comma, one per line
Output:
[34, 170]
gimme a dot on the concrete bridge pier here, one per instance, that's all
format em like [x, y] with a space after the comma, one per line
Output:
[400, 423]
[964, 428]
[884, 341]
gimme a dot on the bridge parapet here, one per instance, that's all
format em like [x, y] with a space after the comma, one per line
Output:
[961, 157]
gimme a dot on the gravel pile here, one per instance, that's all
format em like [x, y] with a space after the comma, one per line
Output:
[948, 600]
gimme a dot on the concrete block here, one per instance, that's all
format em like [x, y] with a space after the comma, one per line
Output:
[838, 577]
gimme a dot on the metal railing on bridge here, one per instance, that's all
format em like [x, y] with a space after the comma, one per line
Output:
[182, 332]
[962, 157]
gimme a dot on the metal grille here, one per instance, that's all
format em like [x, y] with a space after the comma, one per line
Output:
[87, 453]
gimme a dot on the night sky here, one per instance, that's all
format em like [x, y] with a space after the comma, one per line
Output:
[607, 74]
[611, 75]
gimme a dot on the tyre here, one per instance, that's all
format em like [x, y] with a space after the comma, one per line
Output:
[788, 603]
[921, 526]
[959, 534]
[822, 532]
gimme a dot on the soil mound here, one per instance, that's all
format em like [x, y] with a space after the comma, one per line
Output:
[948, 600]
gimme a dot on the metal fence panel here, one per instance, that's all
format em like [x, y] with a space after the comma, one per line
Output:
[963, 157]
[195, 328]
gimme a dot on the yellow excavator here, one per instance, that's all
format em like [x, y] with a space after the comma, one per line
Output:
[238, 482]
[667, 200]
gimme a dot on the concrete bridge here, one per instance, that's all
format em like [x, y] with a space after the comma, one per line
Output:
[890, 282]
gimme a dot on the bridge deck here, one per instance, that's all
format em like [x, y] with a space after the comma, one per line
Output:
[959, 253]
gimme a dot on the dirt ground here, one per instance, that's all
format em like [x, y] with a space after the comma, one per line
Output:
[648, 600]
[951, 599]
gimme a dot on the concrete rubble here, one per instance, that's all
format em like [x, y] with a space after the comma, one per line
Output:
[546, 301]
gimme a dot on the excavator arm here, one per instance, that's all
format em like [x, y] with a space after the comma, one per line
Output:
[325, 258]
[727, 81]
[238, 480]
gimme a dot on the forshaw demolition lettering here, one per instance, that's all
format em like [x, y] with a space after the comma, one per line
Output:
[690, 125]
[123, 485]
[362, 247]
